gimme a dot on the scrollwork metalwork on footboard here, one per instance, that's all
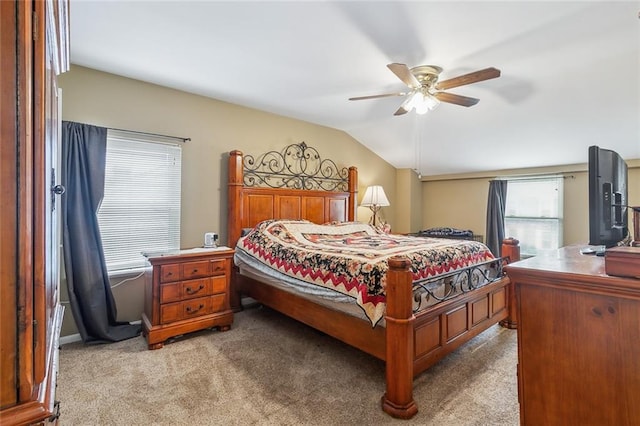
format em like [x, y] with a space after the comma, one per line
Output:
[446, 286]
[298, 166]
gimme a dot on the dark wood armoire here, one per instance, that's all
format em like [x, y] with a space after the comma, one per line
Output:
[34, 48]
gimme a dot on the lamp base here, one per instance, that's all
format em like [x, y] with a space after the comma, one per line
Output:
[375, 210]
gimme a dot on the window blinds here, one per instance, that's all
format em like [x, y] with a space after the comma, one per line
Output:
[140, 210]
[534, 213]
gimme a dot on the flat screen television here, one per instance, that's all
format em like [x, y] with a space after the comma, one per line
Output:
[608, 222]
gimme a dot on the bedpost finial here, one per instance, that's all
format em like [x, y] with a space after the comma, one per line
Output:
[511, 241]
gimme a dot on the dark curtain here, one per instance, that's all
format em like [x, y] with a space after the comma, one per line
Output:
[496, 204]
[84, 150]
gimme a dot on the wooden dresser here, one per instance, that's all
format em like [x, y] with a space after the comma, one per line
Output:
[578, 341]
[186, 291]
[35, 50]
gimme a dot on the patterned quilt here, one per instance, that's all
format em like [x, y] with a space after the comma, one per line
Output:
[352, 257]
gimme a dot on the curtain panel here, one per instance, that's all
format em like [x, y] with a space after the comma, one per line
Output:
[496, 204]
[83, 170]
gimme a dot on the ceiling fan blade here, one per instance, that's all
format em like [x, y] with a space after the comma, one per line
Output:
[359, 98]
[405, 107]
[473, 77]
[404, 73]
[456, 99]
[401, 111]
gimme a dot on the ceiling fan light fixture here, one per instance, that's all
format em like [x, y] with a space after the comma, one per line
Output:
[424, 102]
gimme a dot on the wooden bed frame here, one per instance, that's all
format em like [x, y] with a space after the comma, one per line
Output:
[409, 344]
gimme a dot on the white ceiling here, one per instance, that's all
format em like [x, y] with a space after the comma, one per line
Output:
[570, 70]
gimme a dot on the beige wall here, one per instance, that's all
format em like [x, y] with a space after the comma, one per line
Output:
[461, 201]
[408, 204]
[215, 128]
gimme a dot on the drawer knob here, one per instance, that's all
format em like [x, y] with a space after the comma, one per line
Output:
[192, 291]
[190, 310]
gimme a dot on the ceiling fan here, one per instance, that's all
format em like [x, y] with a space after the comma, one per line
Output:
[426, 91]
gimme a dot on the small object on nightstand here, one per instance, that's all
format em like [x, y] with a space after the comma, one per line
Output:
[210, 240]
[186, 291]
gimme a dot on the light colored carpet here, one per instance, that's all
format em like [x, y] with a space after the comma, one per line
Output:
[271, 370]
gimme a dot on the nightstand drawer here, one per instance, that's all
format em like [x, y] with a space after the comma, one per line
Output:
[196, 288]
[196, 307]
[172, 312]
[183, 290]
[196, 269]
[171, 272]
[218, 267]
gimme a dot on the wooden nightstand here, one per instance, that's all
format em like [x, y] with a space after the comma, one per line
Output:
[186, 291]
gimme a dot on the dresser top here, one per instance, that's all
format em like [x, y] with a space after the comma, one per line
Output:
[566, 259]
[568, 264]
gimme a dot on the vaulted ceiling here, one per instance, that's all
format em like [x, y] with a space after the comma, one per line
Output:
[570, 70]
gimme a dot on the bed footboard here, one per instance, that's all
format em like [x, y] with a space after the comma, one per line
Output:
[415, 342]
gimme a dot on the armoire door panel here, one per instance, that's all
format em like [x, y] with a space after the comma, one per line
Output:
[9, 210]
[31, 315]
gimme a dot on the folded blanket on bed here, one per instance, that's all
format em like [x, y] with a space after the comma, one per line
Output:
[352, 257]
[446, 232]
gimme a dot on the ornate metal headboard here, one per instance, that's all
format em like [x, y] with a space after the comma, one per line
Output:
[298, 166]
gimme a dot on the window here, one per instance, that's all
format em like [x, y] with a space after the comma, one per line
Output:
[140, 210]
[533, 214]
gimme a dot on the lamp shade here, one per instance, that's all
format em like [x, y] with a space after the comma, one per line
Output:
[375, 196]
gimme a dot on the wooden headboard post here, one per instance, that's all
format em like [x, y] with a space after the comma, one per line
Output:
[234, 229]
[236, 181]
[353, 193]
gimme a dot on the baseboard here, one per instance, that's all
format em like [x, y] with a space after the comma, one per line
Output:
[72, 338]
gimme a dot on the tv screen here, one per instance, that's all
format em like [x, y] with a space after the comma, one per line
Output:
[607, 197]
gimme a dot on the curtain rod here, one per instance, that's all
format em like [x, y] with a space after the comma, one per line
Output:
[151, 134]
[536, 177]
